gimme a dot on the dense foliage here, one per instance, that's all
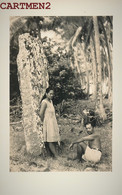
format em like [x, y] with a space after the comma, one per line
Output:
[65, 80]
[61, 76]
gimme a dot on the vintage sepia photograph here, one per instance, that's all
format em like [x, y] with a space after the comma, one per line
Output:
[60, 109]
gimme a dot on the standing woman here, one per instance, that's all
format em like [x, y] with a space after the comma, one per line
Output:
[50, 126]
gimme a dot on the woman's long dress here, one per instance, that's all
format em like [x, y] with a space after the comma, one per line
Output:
[50, 126]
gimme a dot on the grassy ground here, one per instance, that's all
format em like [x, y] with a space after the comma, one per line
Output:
[70, 128]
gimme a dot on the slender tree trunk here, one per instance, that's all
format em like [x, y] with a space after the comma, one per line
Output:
[84, 56]
[87, 74]
[76, 64]
[94, 67]
[33, 80]
[109, 64]
[99, 100]
[108, 68]
[78, 31]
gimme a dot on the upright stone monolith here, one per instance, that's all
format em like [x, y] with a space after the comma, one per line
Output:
[33, 81]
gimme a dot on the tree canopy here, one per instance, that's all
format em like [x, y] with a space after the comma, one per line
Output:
[68, 43]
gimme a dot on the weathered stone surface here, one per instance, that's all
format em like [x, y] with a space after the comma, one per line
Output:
[33, 80]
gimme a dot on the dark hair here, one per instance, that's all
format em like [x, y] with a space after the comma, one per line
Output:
[49, 89]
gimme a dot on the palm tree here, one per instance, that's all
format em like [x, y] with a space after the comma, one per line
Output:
[99, 100]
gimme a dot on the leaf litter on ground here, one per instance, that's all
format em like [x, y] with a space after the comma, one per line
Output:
[70, 129]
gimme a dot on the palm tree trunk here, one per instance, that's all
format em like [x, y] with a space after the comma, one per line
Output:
[99, 101]
[76, 64]
[87, 74]
[109, 64]
[94, 67]
[84, 57]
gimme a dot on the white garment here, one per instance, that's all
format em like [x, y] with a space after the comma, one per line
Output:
[50, 126]
[92, 155]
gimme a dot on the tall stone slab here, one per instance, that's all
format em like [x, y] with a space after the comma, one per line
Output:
[33, 81]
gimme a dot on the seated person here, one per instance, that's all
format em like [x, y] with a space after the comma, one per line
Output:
[89, 116]
[91, 151]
